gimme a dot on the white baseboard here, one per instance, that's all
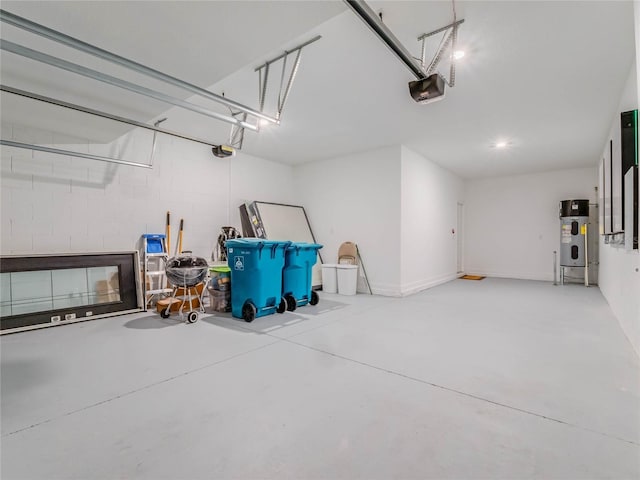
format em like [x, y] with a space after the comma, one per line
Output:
[420, 285]
[395, 290]
[384, 289]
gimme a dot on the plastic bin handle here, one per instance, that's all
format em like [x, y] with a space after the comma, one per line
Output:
[274, 249]
[260, 247]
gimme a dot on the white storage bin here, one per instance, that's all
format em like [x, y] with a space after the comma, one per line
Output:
[329, 278]
[347, 279]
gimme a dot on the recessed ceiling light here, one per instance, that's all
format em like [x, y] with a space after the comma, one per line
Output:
[458, 54]
[501, 144]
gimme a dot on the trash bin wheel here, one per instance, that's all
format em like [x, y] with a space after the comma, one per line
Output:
[165, 312]
[292, 303]
[249, 312]
[282, 306]
[192, 317]
[314, 298]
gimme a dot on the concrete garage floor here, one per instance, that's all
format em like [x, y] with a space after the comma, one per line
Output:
[489, 379]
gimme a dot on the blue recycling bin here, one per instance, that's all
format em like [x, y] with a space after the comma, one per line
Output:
[256, 276]
[300, 257]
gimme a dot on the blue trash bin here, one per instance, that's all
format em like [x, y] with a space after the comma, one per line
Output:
[299, 260]
[256, 276]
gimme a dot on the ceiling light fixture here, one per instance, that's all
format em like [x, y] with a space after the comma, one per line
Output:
[458, 54]
[501, 144]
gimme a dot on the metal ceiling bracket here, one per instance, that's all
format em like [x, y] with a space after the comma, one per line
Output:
[283, 95]
[442, 29]
[153, 142]
[444, 45]
[28, 25]
[108, 79]
[287, 52]
[448, 42]
[285, 89]
[236, 137]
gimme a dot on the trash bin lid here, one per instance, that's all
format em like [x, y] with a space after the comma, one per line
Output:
[305, 245]
[255, 242]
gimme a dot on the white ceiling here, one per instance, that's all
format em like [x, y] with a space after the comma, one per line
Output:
[546, 76]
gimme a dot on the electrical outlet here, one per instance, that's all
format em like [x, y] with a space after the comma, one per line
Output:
[55, 319]
[70, 316]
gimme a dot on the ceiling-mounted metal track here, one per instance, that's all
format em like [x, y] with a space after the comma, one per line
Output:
[28, 25]
[117, 82]
[57, 151]
[98, 113]
[368, 16]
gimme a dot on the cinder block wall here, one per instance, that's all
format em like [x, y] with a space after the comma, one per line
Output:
[62, 204]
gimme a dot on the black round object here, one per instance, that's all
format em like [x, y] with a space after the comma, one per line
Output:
[292, 303]
[192, 317]
[282, 306]
[186, 270]
[165, 313]
[314, 298]
[249, 312]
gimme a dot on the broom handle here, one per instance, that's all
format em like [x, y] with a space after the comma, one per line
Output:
[180, 236]
[168, 232]
[363, 270]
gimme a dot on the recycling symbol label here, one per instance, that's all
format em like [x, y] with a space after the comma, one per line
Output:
[238, 264]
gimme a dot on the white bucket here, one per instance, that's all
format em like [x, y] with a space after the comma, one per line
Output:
[347, 279]
[329, 279]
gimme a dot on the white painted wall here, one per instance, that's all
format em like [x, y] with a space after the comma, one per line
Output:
[512, 225]
[619, 276]
[429, 200]
[59, 204]
[357, 198]
[254, 178]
